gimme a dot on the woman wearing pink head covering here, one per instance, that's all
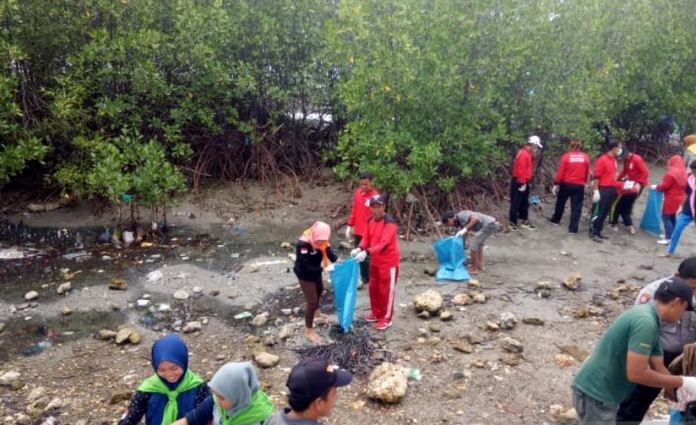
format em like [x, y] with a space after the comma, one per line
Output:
[313, 255]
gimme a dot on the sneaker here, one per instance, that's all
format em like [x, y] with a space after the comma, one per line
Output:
[663, 241]
[382, 325]
[527, 225]
[370, 318]
[631, 230]
[603, 237]
[513, 227]
[597, 239]
[572, 233]
[553, 222]
[614, 227]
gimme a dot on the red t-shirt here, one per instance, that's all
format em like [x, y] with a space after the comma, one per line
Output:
[522, 166]
[634, 168]
[360, 211]
[605, 171]
[380, 242]
[574, 168]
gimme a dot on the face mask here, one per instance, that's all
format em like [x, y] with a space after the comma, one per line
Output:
[619, 152]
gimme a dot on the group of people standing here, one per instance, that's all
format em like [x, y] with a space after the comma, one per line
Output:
[376, 249]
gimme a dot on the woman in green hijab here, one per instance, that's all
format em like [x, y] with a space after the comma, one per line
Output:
[236, 399]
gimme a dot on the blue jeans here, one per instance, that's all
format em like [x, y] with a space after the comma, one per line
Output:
[669, 221]
[683, 220]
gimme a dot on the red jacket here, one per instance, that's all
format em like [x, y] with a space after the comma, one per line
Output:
[574, 168]
[674, 194]
[380, 242]
[634, 168]
[360, 211]
[522, 166]
[605, 171]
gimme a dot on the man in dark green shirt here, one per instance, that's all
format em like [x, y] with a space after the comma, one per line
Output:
[629, 353]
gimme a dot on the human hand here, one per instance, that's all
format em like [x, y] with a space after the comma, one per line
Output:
[355, 252]
[349, 231]
[595, 196]
[329, 267]
[555, 190]
[689, 384]
[629, 184]
[653, 186]
[363, 254]
[523, 187]
[461, 232]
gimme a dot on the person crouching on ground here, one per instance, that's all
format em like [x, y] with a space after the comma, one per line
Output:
[236, 399]
[380, 243]
[171, 392]
[470, 221]
[313, 255]
[313, 387]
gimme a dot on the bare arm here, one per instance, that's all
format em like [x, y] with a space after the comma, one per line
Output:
[181, 421]
[645, 370]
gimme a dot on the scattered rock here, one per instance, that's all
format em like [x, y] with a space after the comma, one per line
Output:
[511, 359]
[478, 362]
[181, 294]
[388, 383]
[492, 326]
[434, 327]
[10, 378]
[65, 310]
[286, 245]
[578, 353]
[430, 271]
[190, 327]
[135, 338]
[54, 404]
[106, 334]
[446, 316]
[143, 303]
[572, 282]
[260, 319]
[555, 411]
[595, 311]
[436, 357]
[569, 417]
[581, 313]
[197, 290]
[543, 284]
[285, 332]
[463, 347]
[614, 294]
[507, 320]
[544, 293]
[31, 295]
[461, 299]
[118, 284]
[120, 396]
[266, 360]
[214, 292]
[533, 321]
[253, 268]
[564, 360]
[63, 288]
[638, 276]
[154, 275]
[430, 301]
[232, 295]
[424, 314]
[122, 335]
[35, 394]
[479, 298]
[511, 345]
[474, 283]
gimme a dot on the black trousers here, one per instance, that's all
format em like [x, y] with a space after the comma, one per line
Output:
[576, 193]
[606, 198]
[633, 409]
[365, 264]
[519, 202]
[623, 209]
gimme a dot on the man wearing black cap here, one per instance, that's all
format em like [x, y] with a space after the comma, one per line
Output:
[630, 353]
[380, 243]
[312, 384]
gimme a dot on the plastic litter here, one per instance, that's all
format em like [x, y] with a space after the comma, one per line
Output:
[413, 374]
[155, 275]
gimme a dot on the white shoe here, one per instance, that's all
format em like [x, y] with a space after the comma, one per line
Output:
[663, 241]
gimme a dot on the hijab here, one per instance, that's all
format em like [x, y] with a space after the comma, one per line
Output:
[319, 231]
[677, 170]
[170, 349]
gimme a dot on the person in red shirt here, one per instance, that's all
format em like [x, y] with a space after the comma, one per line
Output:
[571, 177]
[673, 186]
[519, 185]
[359, 213]
[380, 243]
[604, 186]
[634, 170]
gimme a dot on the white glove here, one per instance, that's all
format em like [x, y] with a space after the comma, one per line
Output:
[349, 231]
[363, 254]
[689, 384]
[355, 252]
[653, 186]
[523, 187]
[595, 196]
[462, 232]
[629, 184]
[329, 267]
[555, 190]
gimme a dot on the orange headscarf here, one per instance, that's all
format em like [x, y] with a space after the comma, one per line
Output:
[319, 231]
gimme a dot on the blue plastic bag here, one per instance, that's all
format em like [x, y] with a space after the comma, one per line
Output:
[451, 255]
[344, 279]
[651, 217]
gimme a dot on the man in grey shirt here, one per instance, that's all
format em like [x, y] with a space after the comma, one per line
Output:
[312, 384]
[673, 338]
[471, 221]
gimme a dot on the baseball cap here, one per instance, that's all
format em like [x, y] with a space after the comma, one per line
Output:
[377, 199]
[312, 377]
[535, 140]
[675, 287]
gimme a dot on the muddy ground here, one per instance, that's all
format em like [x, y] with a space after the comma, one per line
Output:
[221, 237]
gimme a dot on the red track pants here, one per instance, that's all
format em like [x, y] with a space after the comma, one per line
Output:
[382, 288]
